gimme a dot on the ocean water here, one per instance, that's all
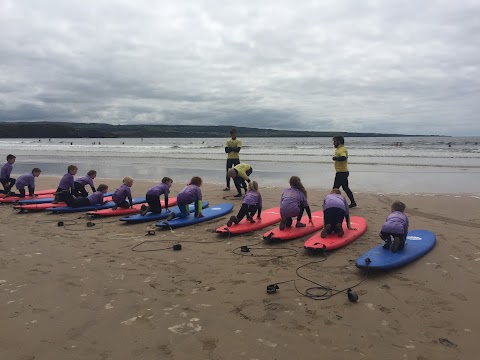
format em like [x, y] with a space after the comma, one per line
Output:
[398, 164]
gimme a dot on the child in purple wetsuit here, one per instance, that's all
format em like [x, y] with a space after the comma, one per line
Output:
[252, 202]
[123, 193]
[29, 181]
[66, 185]
[153, 197]
[94, 199]
[394, 230]
[80, 184]
[190, 193]
[5, 178]
[335, 209]
[293, 203]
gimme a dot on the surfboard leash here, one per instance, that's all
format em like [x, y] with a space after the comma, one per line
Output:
[328, 292]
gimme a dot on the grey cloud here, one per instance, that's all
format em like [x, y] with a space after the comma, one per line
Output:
[338, 65]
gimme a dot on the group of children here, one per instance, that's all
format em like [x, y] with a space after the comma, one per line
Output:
[293, 202]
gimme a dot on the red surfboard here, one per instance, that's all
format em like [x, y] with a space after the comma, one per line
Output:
[45, 206]
[332, 241]
[293, 232]
[39, 192]
[133, 210]
[269, 217]
[12, 199]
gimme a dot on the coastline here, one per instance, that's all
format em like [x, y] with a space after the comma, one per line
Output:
[74, 292]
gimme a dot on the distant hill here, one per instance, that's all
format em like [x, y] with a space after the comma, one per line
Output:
[83, 130]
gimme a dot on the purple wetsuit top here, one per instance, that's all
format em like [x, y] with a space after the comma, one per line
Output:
[96, 198]
[159, 189]
[335, 201]
[121, 194]
[85, 180]
[253, 198]
[396, 223]
[189, 194]
[6, 171]
[291, 200]
[67, 182]
[25, 180]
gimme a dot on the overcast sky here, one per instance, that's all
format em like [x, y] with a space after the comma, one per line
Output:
[407, 67]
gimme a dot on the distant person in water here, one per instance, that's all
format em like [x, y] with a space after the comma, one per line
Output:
[293, 203]
[123, 195]
[153, 197]
[5, 173]
[190, 193]
[252, 202]
[94, 199]
[67, 184]
[232, 148]
[27, 180]
[341, 168]
[395, 229]
[335, 209]
[80, 184]
[240, 173]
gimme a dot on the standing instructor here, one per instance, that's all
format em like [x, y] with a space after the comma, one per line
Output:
[232, 148]
[341, 168]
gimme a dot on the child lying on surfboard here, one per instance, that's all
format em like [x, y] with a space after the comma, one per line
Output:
[252, 202]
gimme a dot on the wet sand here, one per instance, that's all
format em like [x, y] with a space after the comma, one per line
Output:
[79, 292]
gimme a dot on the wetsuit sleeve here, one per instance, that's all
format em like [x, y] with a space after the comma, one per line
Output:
[228, 149]
[259, 211]
[309, 212]
[198, 209]
[340, 158]
[166, 200]
[93, 188]
[235, 149]
[347, 218]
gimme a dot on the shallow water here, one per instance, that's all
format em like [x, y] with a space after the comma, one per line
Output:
[403, 164]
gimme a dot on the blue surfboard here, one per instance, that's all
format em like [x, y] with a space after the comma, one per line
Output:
[419, 242]
[137, 218]
[110, 204]
[45, 200]
[209, 213]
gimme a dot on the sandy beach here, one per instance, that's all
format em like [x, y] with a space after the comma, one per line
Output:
[78, 292]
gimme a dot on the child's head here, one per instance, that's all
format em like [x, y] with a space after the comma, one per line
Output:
[196, 181]
[36, 172]
[232, 173]
[166, 180]
[398, 206]
[11, 158]
[253, 185]
[295, 182]
[72, 169]
[127, 180]
[102, 188]
[335, 191]
[92, 174]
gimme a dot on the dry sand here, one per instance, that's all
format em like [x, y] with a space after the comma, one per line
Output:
[81, 293]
